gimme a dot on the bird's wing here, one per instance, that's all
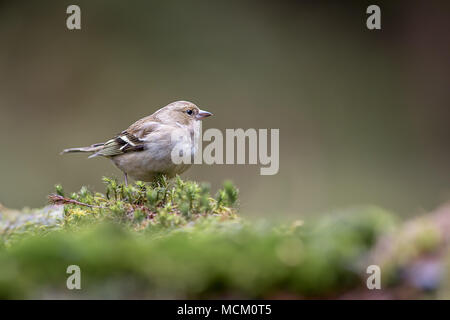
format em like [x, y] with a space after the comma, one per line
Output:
[131, 140]
[122, 143]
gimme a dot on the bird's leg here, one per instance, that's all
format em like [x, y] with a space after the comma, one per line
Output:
[126, 179]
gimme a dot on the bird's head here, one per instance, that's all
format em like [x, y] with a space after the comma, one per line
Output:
[183, 112]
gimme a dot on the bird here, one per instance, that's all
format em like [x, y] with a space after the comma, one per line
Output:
[144, 150]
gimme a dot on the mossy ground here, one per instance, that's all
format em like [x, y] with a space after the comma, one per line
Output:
[147, 207]
[175, 240]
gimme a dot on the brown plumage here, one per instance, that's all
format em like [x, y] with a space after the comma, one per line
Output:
[144, 149]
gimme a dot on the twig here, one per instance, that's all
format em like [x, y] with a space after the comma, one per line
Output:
[57, 199]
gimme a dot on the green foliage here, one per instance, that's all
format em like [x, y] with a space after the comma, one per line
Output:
[142, 206]
[173, 240]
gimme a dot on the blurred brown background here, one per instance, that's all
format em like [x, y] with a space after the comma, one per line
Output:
[363, 115]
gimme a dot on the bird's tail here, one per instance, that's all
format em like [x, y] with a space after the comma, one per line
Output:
[94, 148]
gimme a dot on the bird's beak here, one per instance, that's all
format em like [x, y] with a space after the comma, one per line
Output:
[203, 114]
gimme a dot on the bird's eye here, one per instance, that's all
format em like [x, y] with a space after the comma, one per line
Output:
[189, 112]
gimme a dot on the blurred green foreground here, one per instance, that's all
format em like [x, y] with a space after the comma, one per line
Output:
[175, 240]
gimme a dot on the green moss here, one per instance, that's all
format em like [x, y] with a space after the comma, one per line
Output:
[173, 240]
[141, 206]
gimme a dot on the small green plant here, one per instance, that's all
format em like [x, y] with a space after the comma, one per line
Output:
[142, 205]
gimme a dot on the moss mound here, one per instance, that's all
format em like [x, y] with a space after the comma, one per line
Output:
[175, 240]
